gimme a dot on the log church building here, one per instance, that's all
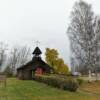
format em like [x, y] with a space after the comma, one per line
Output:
[34, 67]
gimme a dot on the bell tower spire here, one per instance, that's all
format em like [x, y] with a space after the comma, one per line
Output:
[37, 52]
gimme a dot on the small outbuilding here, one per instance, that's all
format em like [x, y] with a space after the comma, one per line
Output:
[34, 67]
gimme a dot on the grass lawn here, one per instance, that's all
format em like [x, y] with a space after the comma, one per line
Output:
[31, 90]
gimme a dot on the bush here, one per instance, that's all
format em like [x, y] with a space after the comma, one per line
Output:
[65, 84]
[80, 81]
[71, 85]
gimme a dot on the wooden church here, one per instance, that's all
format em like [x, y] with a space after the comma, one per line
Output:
[34, 67]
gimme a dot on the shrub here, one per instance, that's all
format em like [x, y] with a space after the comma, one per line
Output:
[65, 84]
[71, 85]
[80, 81]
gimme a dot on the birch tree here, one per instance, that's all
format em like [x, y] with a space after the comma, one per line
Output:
[83, 37]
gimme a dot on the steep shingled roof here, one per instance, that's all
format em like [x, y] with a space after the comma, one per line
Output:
[37, 51]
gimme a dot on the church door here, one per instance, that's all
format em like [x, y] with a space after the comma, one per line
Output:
[38, 71]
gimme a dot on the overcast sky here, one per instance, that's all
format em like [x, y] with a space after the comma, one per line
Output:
[24, 21]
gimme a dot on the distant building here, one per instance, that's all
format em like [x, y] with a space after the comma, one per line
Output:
[34, 67]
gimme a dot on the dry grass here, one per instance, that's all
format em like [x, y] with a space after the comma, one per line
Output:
[93, 87]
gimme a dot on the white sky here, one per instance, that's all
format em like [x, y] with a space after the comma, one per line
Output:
[24, 21]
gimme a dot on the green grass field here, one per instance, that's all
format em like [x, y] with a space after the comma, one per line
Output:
[31, 90]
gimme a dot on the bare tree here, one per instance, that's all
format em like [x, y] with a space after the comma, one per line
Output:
[13, 59]
[3, 48]
[19, 56]
[97, 44]
[24, 55]
[83, 37]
